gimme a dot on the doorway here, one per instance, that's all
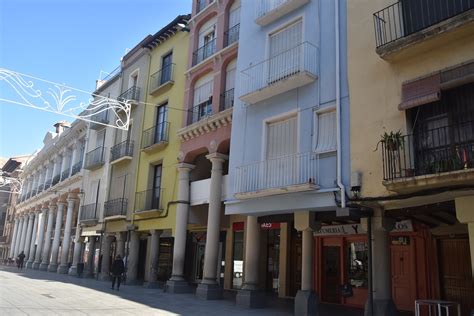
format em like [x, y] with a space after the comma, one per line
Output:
[403, 281]
[331, 274]
[142, 259]
[273, 260]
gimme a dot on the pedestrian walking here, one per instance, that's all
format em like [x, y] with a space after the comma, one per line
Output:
[118, 268]
[20, 260]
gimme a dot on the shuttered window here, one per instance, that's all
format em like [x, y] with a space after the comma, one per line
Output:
[326, 132]
[234, 15]
[282, 138]
[230, 76]
[203, 89]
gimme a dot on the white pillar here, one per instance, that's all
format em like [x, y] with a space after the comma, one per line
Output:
[209, 289]
[47, 238]
[63, 267]
[31, 256]
[105, 267]
[40, 239]
[77, 252]
[18, 236]
[24, 225]
[29, 231]
[177, 284]
[132, 258]
[53, 265]
[15, 232]
[120, 238]
[154, 252]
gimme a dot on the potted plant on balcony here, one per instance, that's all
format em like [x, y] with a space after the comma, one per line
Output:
[393, 140]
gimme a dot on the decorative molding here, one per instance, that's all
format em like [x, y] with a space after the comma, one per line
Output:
[206, 125]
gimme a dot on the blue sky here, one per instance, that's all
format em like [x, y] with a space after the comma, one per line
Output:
[68, 41]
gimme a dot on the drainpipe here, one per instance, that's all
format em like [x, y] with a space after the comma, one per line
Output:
[338, 108]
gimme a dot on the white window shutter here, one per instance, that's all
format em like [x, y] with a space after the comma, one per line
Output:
[326, 132]
[282, 138]
[203, 89]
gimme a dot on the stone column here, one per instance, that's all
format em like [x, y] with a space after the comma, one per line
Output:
[64, 265]
[13, 244]
[29, 231]
[24, 224]
[31, 256]
[105, 267]
[250, 295]
[77, 258]
[18, 237]
[53, 265]
[465, 215]
[120, 238]
[90, 257]
[47, 238]
[40, 239]
[208, 288]
[132, 258]
[177, 283]
[153, 264]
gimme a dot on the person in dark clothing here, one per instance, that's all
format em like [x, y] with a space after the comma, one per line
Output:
[118, 268]
[20, 260]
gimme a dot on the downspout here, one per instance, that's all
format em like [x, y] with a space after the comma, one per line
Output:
[338, 108]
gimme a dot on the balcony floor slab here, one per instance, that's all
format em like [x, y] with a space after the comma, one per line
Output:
[277, 191]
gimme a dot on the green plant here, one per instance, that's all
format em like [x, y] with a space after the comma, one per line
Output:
[392, 141]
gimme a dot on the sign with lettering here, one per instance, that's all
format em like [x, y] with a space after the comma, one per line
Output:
[355, 229]
[270, 225]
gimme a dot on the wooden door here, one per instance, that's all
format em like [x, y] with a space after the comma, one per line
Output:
[403, 278]
[456, 282]
[331, 274]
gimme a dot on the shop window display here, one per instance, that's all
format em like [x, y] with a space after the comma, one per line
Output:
[357, 263]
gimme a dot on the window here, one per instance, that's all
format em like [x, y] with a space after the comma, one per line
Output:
[156, 194]
[325, 131]
[166, 68]
[357, 263]
[203, 90]
[161, 125]
[282, 138]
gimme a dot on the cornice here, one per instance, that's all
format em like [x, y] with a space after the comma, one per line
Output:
[206, 125]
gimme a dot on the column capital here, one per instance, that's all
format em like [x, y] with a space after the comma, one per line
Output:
[217, 157]
[185, 167]
[156, 231]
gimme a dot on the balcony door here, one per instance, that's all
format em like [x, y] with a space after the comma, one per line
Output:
[280, 164]
[166, 63]
[161, 117]
[156, 192]
[285, 52]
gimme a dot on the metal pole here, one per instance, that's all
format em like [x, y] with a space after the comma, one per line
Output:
[370, 276]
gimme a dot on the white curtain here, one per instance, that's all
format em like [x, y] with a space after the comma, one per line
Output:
[203, 89]
[327, 132]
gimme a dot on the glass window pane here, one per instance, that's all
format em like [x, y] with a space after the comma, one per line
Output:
[357, 263]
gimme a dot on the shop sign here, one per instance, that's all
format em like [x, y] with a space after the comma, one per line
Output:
[354, 229]
[270, 225]
[238, 226]
[403, 226]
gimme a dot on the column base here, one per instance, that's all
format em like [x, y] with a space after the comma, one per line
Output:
[382, 308]
[306, 303]
[44, 266]
[53, 267]
[29, 265]
[73, 271]
[209, 291]
[178, 287]
[63, 269]
[250, 299]
[36, 265]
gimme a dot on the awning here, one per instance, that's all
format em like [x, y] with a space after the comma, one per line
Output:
[419, 92]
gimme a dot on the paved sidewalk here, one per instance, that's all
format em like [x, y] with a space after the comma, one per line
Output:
[32, 292]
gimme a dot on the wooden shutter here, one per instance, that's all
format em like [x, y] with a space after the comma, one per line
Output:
[420, 92]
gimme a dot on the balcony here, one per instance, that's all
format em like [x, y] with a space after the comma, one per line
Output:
[40, 188]
[122, 151]
[47, 185]
[406, 23]
[149, 200]
[89, 214]
[231, 36]
[156, 137]
[287, 174]
[116, 208]
[100, 119]
[291, 69]
[65, 174]
[430, 159]
[162, 78]
[204, 52]
[95, 159]
[269, 11]
[200, 111]
[132, 94]
[76, 168]
[227, 100]
[56, 179]
[200, 191]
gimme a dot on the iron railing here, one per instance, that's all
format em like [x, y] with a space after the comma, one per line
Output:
[102, 116]
[426, 152]
[47, 184]
[116, 207]
[156, 135]
[231, 35]
[162, 76]
[114, 73]
[296, 60]
[132, 94]
[33, 192]
[227, 99]
[279, 172]
[89, 212]
[204, 52]
[56, 179]
[65, 174]
[76, 168]
[200, 111]
[149, 200]
[266, 6]
[122, 149]
[407, 17]
[95, 158]
[40, 188]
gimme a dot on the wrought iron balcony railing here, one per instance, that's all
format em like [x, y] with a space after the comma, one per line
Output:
[149, 200]
[115, 207]
[227, 99]
[426, 152]
[102, 116]
[300, 59]
[200, 111]
[161, 77]
[47, 184]
[301, 168]
[56, 179]
[231, 35]
[89, 212]
[407, 17]
[65, 174]
[114, 73]
[40, 188]
[204, 52]
[76, 168]
[122, 149]
[95, 158]
[132, 94]
[156, 135]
